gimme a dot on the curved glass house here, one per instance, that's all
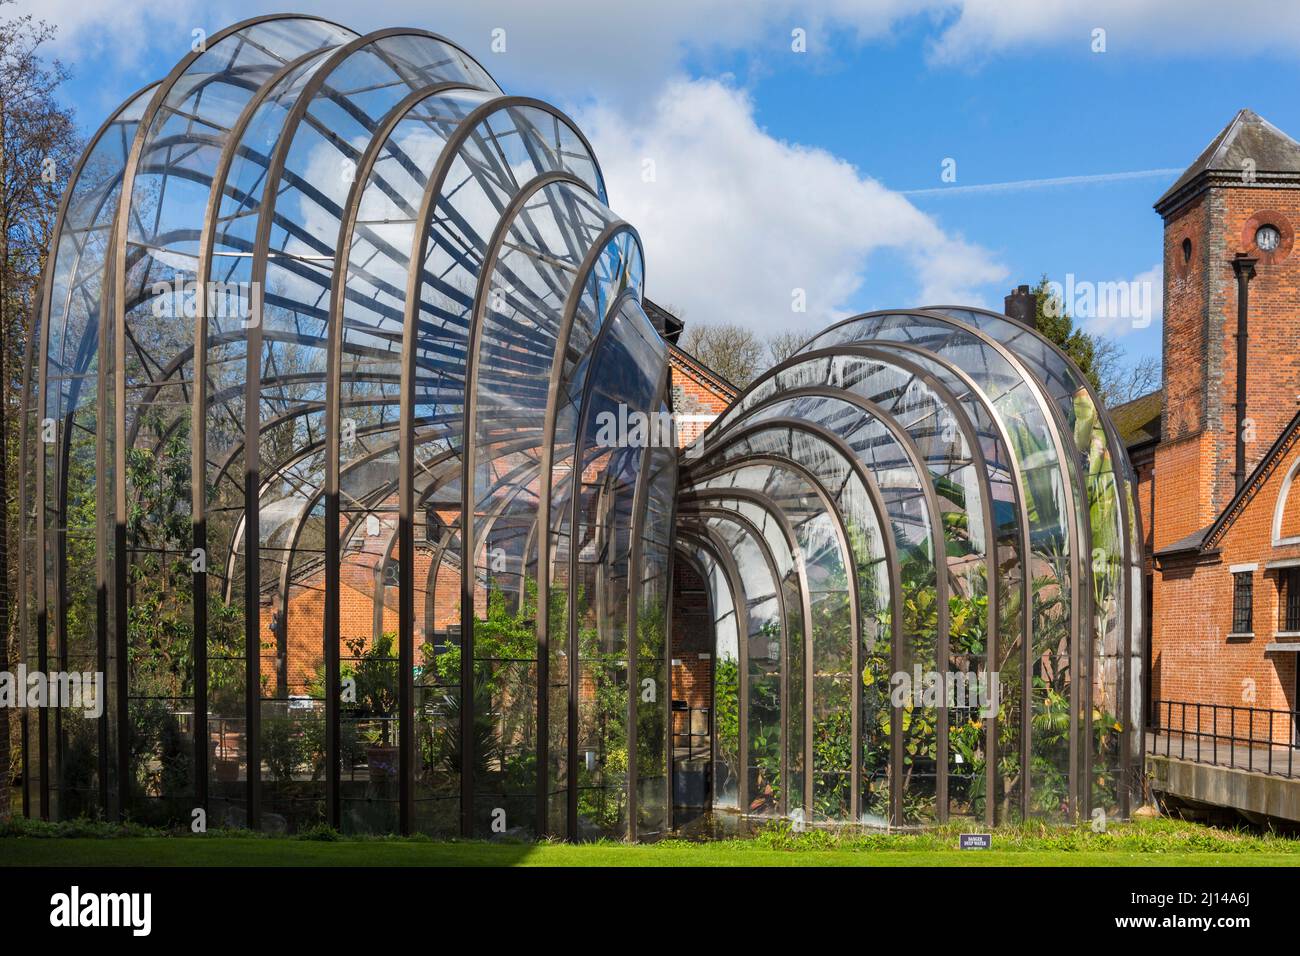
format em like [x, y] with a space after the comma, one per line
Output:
[317, 476]
[327, 327]
[920, 544]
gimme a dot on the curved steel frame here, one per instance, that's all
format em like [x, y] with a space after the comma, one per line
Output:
[1131, 534]
[37, 357]
[910, 355]
[294, 83]
[720, 549]
[1080, 535]
[291, 461]
[719, 496]
[739, 428]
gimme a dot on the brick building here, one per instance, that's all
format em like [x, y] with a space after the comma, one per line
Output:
[1217, 450]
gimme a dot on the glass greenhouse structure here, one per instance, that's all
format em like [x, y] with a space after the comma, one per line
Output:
[432, 595]
[921, 547]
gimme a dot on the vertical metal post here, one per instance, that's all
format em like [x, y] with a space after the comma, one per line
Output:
[102, 542]
[1243, 267]
[252, 557]
[121, 634]
[786, 676]
[406, 580]
[406, 655]
[42, 569]
[198, 505]
[333, 688]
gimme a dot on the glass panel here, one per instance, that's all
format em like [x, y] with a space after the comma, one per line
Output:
[65, 439]
[532, 280]
[939, 438]
[1111, 573]
[494, 160]
[1049, 492]
[761, 688]
[617, 269]
[652, 690]
[726, 680]
[224, 255]
[378, 256]
[611, 456]
[902, 490]
[322, 144]
[180, 151]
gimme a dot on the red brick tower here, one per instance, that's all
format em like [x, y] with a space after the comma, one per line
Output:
[1240, 198]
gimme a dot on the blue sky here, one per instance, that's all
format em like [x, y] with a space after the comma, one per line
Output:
[778, 170]
[1024, 115]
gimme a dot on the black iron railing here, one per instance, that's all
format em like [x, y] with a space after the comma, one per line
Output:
[1246, 738]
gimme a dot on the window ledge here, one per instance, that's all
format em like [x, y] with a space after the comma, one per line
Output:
[1241, 635]
[1294, 634]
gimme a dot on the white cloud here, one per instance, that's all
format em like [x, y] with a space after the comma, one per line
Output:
[735, 221]
[557, 47]
[122, 33]
[574, 46]
[1135, 27]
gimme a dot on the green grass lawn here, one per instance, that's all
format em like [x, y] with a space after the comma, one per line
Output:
[1141, 843]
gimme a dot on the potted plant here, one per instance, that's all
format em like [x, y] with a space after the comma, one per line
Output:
[376, 698]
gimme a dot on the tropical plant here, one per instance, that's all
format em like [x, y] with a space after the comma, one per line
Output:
[374, 673]
[485, 744]
[726, 723]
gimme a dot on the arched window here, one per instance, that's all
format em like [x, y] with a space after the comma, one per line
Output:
[1286, 515]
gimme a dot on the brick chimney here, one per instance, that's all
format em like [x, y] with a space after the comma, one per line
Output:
[1022, 305]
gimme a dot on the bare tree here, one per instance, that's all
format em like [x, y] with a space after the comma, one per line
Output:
[733, 351]
[1121, 380]
[38, 145]
[1102, 360]
[784, 344]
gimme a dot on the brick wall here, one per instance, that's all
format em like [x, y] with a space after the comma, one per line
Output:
[1193, 657]
[1185, 292]
[1273, 355]
[1200, 348]
[692, 629]
[698, 397]
[357, 613]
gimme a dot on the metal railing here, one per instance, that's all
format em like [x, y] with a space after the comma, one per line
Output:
[1255, 739]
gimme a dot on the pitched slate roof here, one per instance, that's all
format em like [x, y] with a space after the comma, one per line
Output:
[1190, 543]
[1138, 421]
[1248, 137]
